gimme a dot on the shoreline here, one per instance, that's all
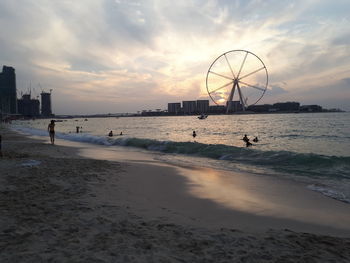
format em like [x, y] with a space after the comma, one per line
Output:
[67, 207]
[252, 198]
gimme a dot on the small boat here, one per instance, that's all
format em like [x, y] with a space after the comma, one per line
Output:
[202, 117]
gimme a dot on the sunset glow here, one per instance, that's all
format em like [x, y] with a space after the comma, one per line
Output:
[125, 56]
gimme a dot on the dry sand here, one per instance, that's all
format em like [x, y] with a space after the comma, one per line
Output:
[58, 207]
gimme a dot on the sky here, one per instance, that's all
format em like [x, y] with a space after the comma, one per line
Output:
[115, 56]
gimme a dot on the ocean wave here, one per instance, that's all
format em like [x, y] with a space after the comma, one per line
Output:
[304, 164]
[77, 137]
[323, 136]
[332, 171]
[338, 195]
[282, 161]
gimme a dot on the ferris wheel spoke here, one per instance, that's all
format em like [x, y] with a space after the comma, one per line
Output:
[251, 73]
[243, 99]
[220, 75]
[252, 86]
[228, 63]
[223, 86]
[245, 57]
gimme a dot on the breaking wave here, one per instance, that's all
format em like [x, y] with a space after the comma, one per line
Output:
[301, 164]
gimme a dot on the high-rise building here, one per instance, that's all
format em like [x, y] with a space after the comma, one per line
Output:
[202, 106]
[174, 108]
[28, 107]
[189, 106]
[8, 92]
[46, 110]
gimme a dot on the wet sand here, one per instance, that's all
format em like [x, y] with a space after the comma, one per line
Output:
[57, 205]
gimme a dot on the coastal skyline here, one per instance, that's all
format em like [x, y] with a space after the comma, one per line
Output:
[125, 56]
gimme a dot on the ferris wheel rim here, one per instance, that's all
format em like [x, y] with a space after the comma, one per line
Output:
[234, 77]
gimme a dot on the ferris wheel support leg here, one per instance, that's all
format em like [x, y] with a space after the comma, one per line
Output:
[228, 103]
[241, 97]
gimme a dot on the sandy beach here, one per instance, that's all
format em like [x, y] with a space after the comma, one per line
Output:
[60, 205]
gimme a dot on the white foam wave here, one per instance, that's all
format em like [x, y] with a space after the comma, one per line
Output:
[80, 137]
[30, 163]
[329, 192]
[30, 131]
[77, 137]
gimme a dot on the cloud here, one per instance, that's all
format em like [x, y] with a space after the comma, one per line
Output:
[334, 95]
[140, 53]
[276, 90]
[347, 83]
[342, 40]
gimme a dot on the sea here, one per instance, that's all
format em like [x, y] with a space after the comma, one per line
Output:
[310, 148]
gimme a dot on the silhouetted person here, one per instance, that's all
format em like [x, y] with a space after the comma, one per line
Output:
[245, 138]
[51, 130]
[255, 139]
[77, 129]
[110, 134]
[121, 133]
[194, 134]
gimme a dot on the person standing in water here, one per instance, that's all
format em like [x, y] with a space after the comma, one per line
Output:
[245, 138]
[51, 130]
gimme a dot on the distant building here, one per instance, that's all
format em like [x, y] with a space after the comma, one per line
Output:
[311, 108]
[189, 107]
[217, 109]
[8, 92]
[287, 106]
[234, 106]
[174, 108]
[28, 107]
[157, 112]
[46, 110]
[261, 108]
[202, 106]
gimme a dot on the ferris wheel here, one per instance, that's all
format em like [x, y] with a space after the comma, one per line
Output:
[237, 79]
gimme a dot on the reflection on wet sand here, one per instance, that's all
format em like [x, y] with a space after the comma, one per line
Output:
[265, 196]
[260, 195]
[227, 190]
